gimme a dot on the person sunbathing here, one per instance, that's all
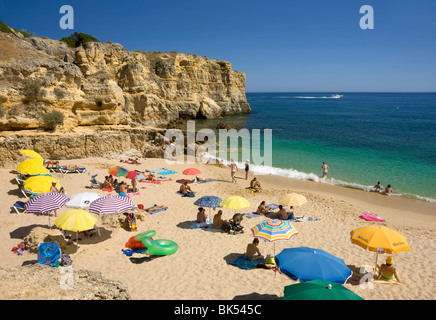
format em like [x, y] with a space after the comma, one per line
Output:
[282, 213]
[255, 185]
[155, 208]
[388, 271]
[185, 189]
[151, 177]
[51, 164]
[198, 179]
[131, 161]
[106, 184]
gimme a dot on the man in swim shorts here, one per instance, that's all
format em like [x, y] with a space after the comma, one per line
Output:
[325, 169]
[253, 252]
[388, 271]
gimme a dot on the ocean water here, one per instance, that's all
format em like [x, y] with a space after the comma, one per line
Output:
[363, 137]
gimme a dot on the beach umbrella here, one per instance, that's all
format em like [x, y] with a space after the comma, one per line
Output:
[33, 154]
[292, 199]
[111, 205]
[208, 202]
[134, 175]
[374, 238]
[118, 171]
[191, 172]
[76, 220]
[318, 290]
[31, 167]
[82, 200]
[45, 203]
[308, 264]
[40, 184]
[274, 230]
[235, 202]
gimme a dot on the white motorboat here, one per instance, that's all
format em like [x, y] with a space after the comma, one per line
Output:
[337, 96]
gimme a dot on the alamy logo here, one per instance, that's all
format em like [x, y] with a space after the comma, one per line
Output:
[231, 144]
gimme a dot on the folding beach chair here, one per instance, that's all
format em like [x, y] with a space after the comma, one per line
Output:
[95, 183]
[65, 170]
[19, 207]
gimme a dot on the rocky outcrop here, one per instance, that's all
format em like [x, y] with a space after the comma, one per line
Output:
[105, 84]
[41, 282]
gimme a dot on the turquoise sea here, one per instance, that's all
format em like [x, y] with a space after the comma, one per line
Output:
[363, 137]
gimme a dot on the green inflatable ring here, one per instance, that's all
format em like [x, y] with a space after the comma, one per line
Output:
[148, 234]
[160, 247]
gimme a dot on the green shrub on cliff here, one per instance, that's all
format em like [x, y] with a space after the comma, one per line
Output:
[52, 119]
[32, 90]
[78, 39]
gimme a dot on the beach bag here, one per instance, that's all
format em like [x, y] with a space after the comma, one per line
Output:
[66, 260]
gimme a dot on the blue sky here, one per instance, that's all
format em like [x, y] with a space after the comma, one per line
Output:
[286, 46]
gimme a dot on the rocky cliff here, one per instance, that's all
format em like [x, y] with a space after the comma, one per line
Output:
[107, 85]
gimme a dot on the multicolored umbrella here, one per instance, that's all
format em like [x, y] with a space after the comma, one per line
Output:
[110, 205]
[40, 184]
[308, 264]
[319, 290]
[292, 199]
[191, 172]
[45, 203]
[274, 230]
[235, 202]
[82, 200]
[134, 175]
[118, 171]
[208, 202]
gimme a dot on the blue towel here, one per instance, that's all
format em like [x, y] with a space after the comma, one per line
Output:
[242, 263]
[130, 252]
[252, 215]
[205, 181]
[164, 171]
[153, 212]
[49, 254]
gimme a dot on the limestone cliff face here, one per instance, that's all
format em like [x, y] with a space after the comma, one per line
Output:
[105, 84]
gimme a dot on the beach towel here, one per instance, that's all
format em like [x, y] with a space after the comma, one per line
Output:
[304, 219]
[129, 194]
[153, 212]
[130, 252]
[207, 226]
[252, 215]
[388, 282]
[49, 254]
[205, 181]
[164, 171]
[371, 217]
[242, 263]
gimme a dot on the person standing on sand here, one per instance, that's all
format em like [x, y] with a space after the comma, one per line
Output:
[53, 189]
[233, 169]
[247, 169]
[325, 168]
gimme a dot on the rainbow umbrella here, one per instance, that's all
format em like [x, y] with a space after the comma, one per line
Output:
[191, 172]
[274, 230]
[118, 171]
[134, 175]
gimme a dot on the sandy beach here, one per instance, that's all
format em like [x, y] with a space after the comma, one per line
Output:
[200, 269]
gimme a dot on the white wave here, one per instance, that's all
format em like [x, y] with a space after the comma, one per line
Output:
[295, 174]
[307, 97]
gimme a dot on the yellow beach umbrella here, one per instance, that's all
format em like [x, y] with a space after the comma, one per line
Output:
[33, 154]
[292, 199]
[235, 202]
[373, 237]
[379, 239]
[32, 167]
[76, 220]
[40, 184]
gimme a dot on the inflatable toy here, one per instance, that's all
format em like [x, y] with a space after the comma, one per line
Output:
[148, 234]
[371, 217]
[160, 247]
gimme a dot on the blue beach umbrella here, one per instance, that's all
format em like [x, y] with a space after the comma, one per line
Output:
[208, 202]
[306, 264]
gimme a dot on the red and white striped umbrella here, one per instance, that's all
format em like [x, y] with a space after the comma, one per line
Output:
[46, 202]
[110, 205]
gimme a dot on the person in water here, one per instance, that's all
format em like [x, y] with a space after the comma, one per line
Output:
[388, 189]
[325, 168]
[378, 187]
